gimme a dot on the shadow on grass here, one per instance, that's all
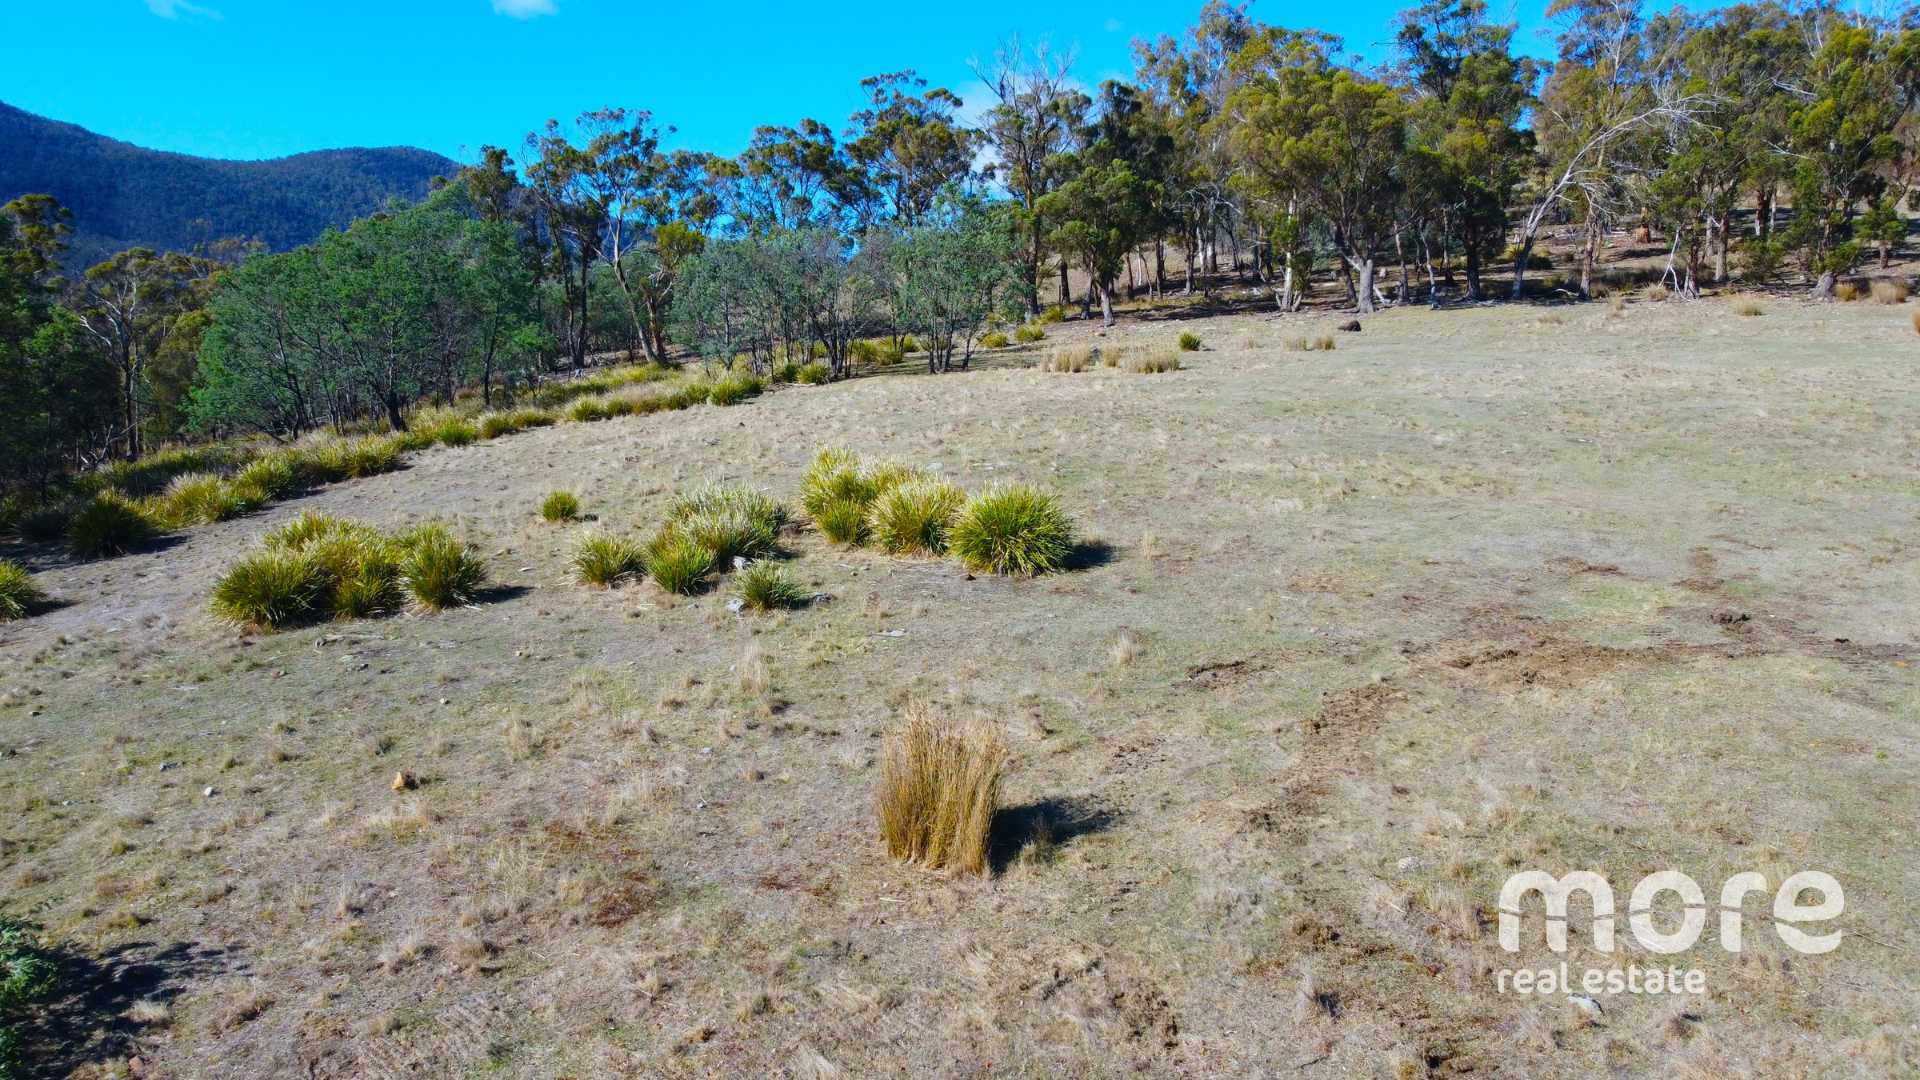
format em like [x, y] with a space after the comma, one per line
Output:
[85, 1022]
[1089, 554]
[500, 594]
[1041, 827]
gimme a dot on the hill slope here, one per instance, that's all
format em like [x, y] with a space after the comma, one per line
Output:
[123, 195]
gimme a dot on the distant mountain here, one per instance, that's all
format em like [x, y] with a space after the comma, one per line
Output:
[124, 196]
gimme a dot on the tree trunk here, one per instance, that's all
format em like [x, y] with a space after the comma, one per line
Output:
[1520, 266]
[1159, 268]
[1823, 288]
[1066, 292]
[1106, 305]
[1365, 305]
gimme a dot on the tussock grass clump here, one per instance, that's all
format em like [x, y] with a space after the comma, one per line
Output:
[843, 521]
[863, 352]
[560, 506]
[993, 339]
[270, 589]
[151, 474]
[604, 561]
[913, 518]
[495, 424]
[1189, 342]
[1014, 529]
[834, 476]
[1846, 292]
[1302, 343]
[813, 373]
[1054, 313]
[18, 594]
[454, 431]
[696, 392]
[1153, 362]
[729, 520]
[109, 523]
[589, 410]
[269, 477]
[1029, 333]
[1747, 306]
[198, 498]
[352, 459]
[677, 562]
[305, 529]
[766, 586]
[737, 388]
[1890, 292]
[439, 570]
[1068, 359]
[939, 789]
[1657, 292]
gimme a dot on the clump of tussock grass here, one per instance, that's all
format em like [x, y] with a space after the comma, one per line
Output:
[1029, 333]
[1302, 343]
[269, 477]
[560, 506]
[1657, 292]
[453, 431]
[843, 521]
[604, 561]
[439, 570]
[1067, 359]
[269, 589]
[1014, 529]
[834, 476]
[1616, 302]
[913, 518]
[44, 523]
[811, 373]
[1189, 341]
[589, 410]
[736, 388]
[18, 594]
[1747, 306]
[109, 523]
[677, 562]
[766, 586]
[1846, 292]
[994, 339]
[198, 498]
[938, 791]
[495, 424]
[694, 392]
[1889, 292]
[352, 459]
[729, 521]
[1153, 362]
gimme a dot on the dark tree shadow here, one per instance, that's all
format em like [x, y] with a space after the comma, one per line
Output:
[500, 594]
[1044, 824]
[86, 1021]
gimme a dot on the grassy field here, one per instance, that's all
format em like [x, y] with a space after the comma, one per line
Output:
[1354, 635]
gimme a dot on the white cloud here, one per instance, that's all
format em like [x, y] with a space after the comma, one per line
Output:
[173, 9]
[525, 9]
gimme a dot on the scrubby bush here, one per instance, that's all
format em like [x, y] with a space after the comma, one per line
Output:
[863, 352]
[1153, 361]
[766, 586]
[109, 523]
[1013, 529]
[27, 975]
[1189, 342]
[604, 561]
[439, 570]
[939, 789]
[993, 339]
[676, 562]
[560, 506]
[1747, 305]
[694, 392]
[843, 521]
[1657, 292]
[1067, 358]
[913, 518]
[18, 594]
[1028, 333]
[533, 418]
[1890, 292]
[271, 588]
[737, 388]
[813, 373]
[45, 523]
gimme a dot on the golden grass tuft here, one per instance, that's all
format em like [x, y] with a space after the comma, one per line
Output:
[1916, 320]
[1890, 292]
[939, 788]
[1747, 306]
[1846, 292]
[1302, 343]
[1067, 359]
[1153, 362]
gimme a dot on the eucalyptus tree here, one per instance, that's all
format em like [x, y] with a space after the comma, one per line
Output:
[955, 274]
[1104, 209]
[1032, 122]
[911, 145]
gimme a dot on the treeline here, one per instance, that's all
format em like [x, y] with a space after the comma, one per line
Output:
[1757, 141]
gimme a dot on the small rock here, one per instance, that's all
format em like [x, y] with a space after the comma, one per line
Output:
[445, 701]
[404, 781]
[1351, 326]
[165, 765]
[739, 562]
[736, 605]
[1411, 862]
[1584, 1007]
[891, 633]
[208, 794]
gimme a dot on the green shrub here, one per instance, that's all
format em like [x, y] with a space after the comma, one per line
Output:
[1029, 333]
[439, 570]
[785, 373]
[18, 594]
[1189, 342]
[694, 392]
[863, 352]
[533, 418]
[813, 374]
[843, 521]
[766, 586]
[993, 339]
[151, 474]
[455, 432]
[604, 561]
[737, 388]
[913, 518]
[45, 523]
[1012, 530]
[109, 524]
[560, 506]
[271, 588]
[907, 344]
[11, 508]
[27, 975]
[676, 562]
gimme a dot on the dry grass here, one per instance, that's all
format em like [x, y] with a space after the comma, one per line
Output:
[1847, 292]
[939, 788]
[1324, 342]
[1153, 361]
[1889, 292]
[1067, 359]
[1657, 292]
[1747, 306]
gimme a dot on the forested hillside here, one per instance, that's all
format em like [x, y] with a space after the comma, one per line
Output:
[124, 196]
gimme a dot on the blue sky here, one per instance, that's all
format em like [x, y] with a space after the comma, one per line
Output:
[262, 78]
